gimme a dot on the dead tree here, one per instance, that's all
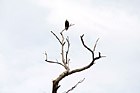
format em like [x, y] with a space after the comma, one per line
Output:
[65, 60]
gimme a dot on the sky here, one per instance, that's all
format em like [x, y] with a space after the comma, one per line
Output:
[25, 35]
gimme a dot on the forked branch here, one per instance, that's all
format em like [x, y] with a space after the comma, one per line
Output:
[65, 60]
[53, 61]
[93, 58]
[62, 42]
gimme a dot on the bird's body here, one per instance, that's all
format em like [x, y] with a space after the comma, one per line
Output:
[66, 25]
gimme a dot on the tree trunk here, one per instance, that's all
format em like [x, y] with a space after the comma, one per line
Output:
[55, 86]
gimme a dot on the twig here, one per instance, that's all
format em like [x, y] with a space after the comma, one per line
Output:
[75, 85]
[87, 47]
[62, 49]
[68, 62]
[71, 25]
[67, 50]
[53, 61]
[56, 37]
[63, 60]
[95, 44]
[84, 43]
[99, 56]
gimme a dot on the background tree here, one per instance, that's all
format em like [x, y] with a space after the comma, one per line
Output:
[66, 60]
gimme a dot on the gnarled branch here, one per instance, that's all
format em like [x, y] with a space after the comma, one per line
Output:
[65, 60]
[66, 73]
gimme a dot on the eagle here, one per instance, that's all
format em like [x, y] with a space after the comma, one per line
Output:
[66, 25]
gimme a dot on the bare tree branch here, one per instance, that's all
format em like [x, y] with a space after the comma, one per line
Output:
[92, 62]
[71, 25]
[67, 60]
[75, 85]
[84, 43]
[56, 37]
[87, 46]
[62, 53]
[63, 59]
[67, 72]
[95, 45]
[99, 56]
[53, 61]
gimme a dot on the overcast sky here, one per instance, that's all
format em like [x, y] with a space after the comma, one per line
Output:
[25, 27]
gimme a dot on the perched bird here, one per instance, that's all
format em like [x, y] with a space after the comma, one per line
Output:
[66, 25]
